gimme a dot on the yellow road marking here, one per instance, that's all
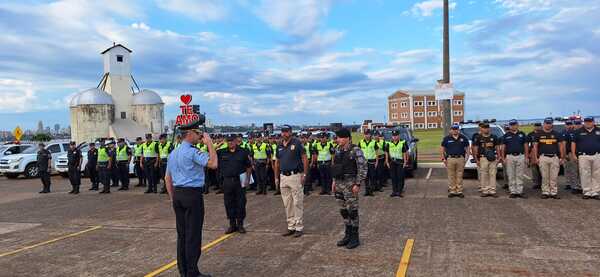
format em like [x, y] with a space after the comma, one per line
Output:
[50, 241]
[174, 263]
[404, 261]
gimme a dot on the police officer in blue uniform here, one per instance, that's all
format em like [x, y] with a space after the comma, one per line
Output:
[185, 181]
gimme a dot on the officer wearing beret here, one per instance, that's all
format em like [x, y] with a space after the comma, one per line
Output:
[184, 181]
[454, 150]
[585, 149]
[549, 154]
[515, 151]
[74, 165]
[349, 171]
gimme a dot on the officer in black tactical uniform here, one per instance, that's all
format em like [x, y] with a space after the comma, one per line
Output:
[44, 166]
[74, 164]
[90, 166]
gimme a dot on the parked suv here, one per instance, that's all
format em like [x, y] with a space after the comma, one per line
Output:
[26, 163]
[12, 149]
[406, 135]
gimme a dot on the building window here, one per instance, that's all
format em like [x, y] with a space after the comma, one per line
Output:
[458, 113]
[418, 103]
[394, 105]
[431, 103]
[419, 114]
[458, 102]
[123, 115]
[394, 116]
[432, 125]
[404, 115]
[119, 58]
[419, 126]
[403, 104]
[431, 114]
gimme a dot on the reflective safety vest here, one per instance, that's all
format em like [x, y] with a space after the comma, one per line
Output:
[245, 145]
[368, 149]
[260, 152]
[380, 145]
[323, 151]
[223, 146]
[122, 153]
[102, 155]
[149, 149]
[396, 149]
[274, 151]
[163, 149]
[202, 147]
[138, 150]
[307, 149]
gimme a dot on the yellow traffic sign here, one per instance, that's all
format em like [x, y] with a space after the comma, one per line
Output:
[18, 133]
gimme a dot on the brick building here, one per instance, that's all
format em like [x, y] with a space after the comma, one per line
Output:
[418, 109]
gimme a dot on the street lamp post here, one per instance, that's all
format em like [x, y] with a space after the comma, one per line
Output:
[446, 116]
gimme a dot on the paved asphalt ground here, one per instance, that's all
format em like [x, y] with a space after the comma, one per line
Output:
[132, 234]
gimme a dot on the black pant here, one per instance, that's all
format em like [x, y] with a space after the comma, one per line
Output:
[162, 173]
[114, 175]
[75, 177]
[234, 197]
[371, 177]
[150, 173]
[123, 168]
[93, 174]
[188, 204]
[325, 176]
[45, 177]
[105, 176]
[397, 172]
[271, 178]
[139, 172]
[261, 176]
[381, 174]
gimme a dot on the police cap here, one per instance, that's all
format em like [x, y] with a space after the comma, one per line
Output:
[121, 140]
[548, 120]
[138, 138]
[109, 142]
[395, 133]
[162, 136]
[286, 128]
[588, 119]
[148, 136]
[513, 122]
[367, 132]
[455, 127]
[577, 122]
[72, 143]
[343, 133]
[484, 125]
[568, 122]
[323, 135]
[231, 137]
[92, 144]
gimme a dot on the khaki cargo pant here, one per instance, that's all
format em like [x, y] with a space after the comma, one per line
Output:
[292, 193]
[515, 169]
[549, 167]
[487, 172]
[589, 171]
[455, 168]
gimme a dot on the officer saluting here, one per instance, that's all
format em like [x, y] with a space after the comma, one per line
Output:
[585, 149]
[349, 171]
[184, 180]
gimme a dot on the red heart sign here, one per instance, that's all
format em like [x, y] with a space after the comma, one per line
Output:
[186, 98]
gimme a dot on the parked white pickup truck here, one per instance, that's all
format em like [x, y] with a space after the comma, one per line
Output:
[26, 163]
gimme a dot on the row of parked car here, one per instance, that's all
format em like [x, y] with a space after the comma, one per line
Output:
[21, 159]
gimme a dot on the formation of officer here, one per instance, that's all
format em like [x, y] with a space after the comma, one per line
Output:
[235, 162]
[454, 150]
[185, 180]
[396, 158]
[44, 167]
[585, 150]
[349, 171]
[515, 153]
[74, 167]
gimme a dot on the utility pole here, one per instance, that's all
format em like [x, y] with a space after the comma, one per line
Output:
[447, 116]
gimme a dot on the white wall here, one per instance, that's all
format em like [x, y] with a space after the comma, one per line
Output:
[151, 117]
[89, 122]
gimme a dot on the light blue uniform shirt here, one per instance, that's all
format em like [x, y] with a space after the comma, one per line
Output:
[186, 166]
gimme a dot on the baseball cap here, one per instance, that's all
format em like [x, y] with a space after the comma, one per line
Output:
[568, 122]
[588, 119]
[231, 137]
[72, 143]
[513, 122]
[367, 132]
[455, 127]
[548, 120]
[577, 122]
[395, 133]
[286, 128]
[484, 125]
[343, 133]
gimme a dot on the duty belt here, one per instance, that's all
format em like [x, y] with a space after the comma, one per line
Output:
[289, 173]
[515, 154]
[149, 158]
[588, 153]
[397, 160]
[456, 156]
[549, 155]
[324, 162]
[261, 160]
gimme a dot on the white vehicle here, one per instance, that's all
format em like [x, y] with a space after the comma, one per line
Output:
[468, 130]
[62, 167]
[12, 149]
[26, 163]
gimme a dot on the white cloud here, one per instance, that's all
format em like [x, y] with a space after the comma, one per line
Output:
[471, 27]
[524, 6]
[17, 95]
[201, 10]
[298, 17]
[427, 8]
[141, 26]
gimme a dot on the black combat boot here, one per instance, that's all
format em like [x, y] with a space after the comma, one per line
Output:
[232, 227]
[76, 190]
[354, 242]
[346, 238]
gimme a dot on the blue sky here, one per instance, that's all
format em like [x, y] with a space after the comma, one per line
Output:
[302, 61]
